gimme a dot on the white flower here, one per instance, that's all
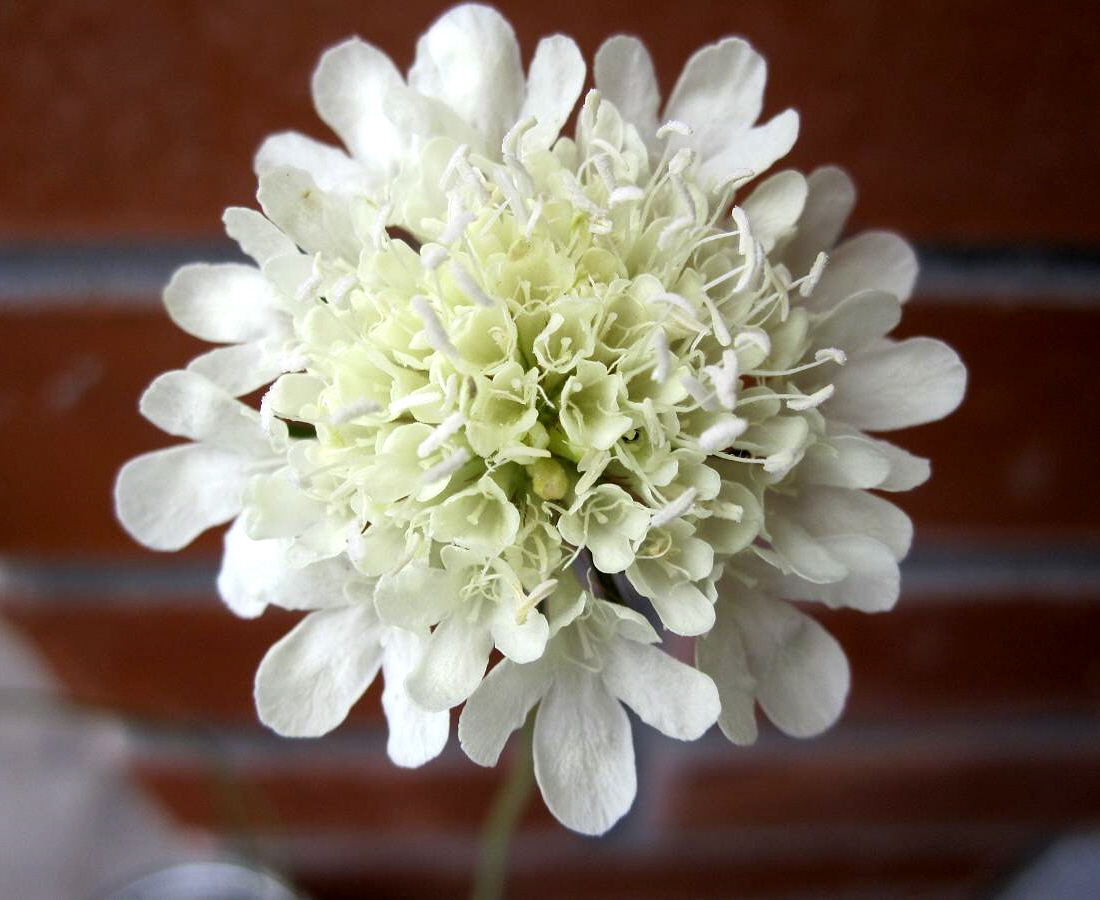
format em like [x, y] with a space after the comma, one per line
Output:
[497, 354]
[584, 755]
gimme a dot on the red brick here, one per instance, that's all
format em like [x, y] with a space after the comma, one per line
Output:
[956, 120]
[916, 777]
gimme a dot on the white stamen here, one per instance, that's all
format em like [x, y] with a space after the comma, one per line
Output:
[682, 304]
[810, 281]
[515, 134]
[448, 467]
[601, 225]
[432, 255]
[433, 329]
[720, 436]
[603, 166]
[718, 323]
[724, 379]
[533, 218]
[685, 196]
[307, 287]
[459, 221]
[512, 196]
[450, 391]
[673, 126]
[699, 393]
[675, 509]
[378, 232]
[578, 197]
[341, 289]
[664, 359]
[811, 401]
[524, 182]
[453, 164]
[449, 426]
[628, 193]
[753, 337]
[681, 160]
[831, 354]
[541, 591]
[751, 267]
[417, 398]
[672, 229]
[469, 287]
[744, 232]
[734, 180]
[779, 462]
[354, 410]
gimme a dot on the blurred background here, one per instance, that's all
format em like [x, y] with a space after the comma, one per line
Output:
[968, 763]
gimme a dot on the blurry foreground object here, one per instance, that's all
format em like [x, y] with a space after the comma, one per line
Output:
[510, 372]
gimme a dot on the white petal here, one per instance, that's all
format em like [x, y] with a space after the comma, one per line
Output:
[256, 573]
[350, 87]
[499, 706]
[829, 511]
[520, 642]
[755, 150]
[897, 384]
[801, 671]
[416, 596]
[683, 608]
[416, 735]
[584, 754]
[470, 60]
[845, 461]
[829, 202]
[226, 303]
[676, 699]
[719, 93]
[318, 221]
[807, 556]
[906, 470]
[872, 584]
[873, 260]
[255, 235]
[166, 498]
[238, 369]
[857, 321]
[721, 654]
[774, 206]
[276, 508]
[308, 681]
[331, 168]
[624, 75]
[554, 82]
[453, 663]
[187, 405]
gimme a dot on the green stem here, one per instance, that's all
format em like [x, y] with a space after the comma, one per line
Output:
[500, 824]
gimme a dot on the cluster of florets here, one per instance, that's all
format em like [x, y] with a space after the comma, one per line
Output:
[512, 373]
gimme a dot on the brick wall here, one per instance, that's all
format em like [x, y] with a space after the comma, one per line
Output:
[971, 737]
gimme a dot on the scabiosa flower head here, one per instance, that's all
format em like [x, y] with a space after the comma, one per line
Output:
[512, 371]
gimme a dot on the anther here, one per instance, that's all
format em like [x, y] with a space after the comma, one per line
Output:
[814, 276]
[354, 410]
[722, 435]
[628, 193]
[433, 328]
[469, 287]
[446, 468]
[673, 126]
[811, 401]
[445, 429]
[675, 509]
